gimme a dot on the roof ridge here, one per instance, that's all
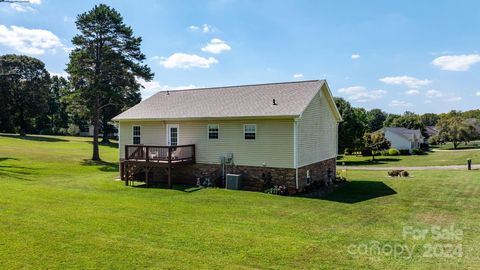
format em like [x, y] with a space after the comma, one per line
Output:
[241, 85]
[250, 100]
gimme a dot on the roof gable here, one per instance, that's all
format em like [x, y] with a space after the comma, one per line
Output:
[291, 99]
[410, 134]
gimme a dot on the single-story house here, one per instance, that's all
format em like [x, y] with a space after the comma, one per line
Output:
[285, 133]
[431, 131]
[87, 131]
[404, 138]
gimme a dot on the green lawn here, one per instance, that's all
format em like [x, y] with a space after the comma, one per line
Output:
[59, 211]
[435, 158]
[449, 146]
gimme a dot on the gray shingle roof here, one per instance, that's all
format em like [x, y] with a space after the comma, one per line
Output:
[233, 101]
[431, 130]
[410, 134]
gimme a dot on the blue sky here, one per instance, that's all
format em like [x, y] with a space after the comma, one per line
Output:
[420, 56]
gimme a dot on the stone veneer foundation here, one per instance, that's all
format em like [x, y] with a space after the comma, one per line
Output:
[322, 171]
[253, 177]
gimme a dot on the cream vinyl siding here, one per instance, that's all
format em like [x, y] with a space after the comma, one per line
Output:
[317, 132]
[272, 147]
[398, 141]
[151, 133]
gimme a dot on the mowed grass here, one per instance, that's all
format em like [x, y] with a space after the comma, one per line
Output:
[449, 146]
[433, 158]
[59, 211]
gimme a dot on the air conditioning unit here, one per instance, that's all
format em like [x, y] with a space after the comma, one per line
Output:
[233, 181]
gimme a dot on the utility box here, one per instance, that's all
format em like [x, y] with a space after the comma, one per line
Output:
[233, 181]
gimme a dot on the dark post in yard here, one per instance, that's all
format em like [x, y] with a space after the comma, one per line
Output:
[469, 164]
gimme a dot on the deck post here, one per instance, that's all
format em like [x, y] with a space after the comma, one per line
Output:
[169, 167]
[125, 169]
[137, 158]
[193, 154]
[146, 175]
[122, 177]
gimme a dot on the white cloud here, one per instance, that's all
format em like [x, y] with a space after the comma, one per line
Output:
[216, 46]
[297, 76]
[25, 7]
[21, 7]
[59, 74]
[29, 41]
[186, 61]
[434, 94]
[205, 28]
[428, 101]
[361, 94]
[477, 94]
[193, 28]
[408, 81]
[355, 56]
[412, 92]
[454, 99]
[399, 103]
[431, 94]
[456, 62]
[68, 19]
[152, 87]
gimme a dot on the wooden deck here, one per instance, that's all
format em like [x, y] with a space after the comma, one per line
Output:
[143, 158]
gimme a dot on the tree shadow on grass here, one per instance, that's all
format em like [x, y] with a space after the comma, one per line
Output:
[359, 191]
[368, 162]
[109, 144]
[103, 165]
[35, 138]
[7, 158]
[12, 171]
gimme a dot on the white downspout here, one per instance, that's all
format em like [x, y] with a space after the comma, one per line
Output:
[119, 142]
[336, 139]
[120, 147]
[295, 150]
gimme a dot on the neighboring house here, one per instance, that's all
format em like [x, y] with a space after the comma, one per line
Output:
[283, 131]
[88, 131]
[404, 138]
[431, 131]
[475, 123]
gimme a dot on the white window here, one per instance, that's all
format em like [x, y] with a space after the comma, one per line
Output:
[136, 135]
[249, 131]
[213, 131]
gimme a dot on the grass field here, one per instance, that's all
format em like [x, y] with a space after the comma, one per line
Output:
[57, 211]
[449, 146]
[434, 158]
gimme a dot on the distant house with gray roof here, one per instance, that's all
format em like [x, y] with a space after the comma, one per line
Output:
[404, 138]
[286, 132]
[431, 131]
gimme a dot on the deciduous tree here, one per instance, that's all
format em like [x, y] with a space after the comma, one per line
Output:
[455, 130]
[350, 131]
[375, 119]
[376, 141]
[24, 89]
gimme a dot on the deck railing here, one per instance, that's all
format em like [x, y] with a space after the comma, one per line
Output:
[156, 153]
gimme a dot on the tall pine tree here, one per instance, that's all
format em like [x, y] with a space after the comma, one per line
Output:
[105, 65]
